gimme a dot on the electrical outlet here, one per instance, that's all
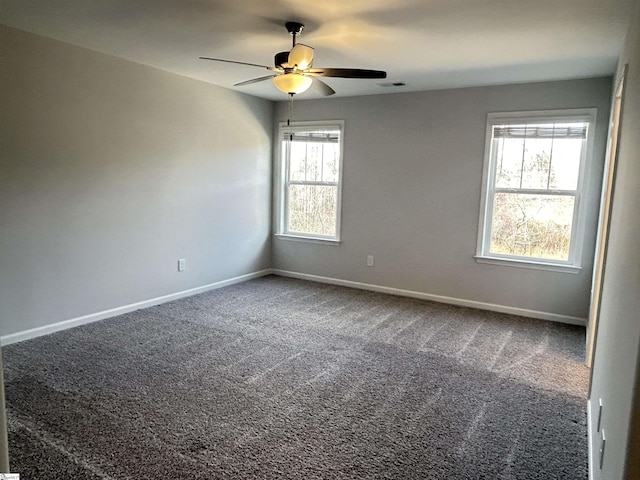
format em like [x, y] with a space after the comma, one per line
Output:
[181, 265]
[369, 260]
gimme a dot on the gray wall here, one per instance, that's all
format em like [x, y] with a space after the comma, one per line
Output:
[411, 195]
[110, 171]
[616, 370]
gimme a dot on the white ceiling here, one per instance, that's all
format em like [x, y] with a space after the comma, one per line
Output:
[427, 44]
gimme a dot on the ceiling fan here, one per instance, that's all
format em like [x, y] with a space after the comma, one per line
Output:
[293, 72]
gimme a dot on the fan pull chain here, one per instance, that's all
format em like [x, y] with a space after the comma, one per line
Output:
[289, 116]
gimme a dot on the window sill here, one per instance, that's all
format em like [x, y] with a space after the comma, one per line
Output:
[532, 264]
[301, 238]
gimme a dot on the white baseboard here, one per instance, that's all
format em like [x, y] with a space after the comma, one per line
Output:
[94, 317]
[553, 317]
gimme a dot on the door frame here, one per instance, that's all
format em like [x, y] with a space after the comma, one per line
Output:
[606, 203]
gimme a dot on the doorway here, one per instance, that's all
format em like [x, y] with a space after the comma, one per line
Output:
[606, 203]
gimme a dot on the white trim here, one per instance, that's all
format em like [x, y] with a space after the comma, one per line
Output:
[94, 317]
[301, 238]
[553, 317]
[533, 264]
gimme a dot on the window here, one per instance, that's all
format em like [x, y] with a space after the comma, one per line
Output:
[310, 173]
[534, 178]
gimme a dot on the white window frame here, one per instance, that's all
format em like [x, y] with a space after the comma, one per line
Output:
[573, 264]
[282, 186]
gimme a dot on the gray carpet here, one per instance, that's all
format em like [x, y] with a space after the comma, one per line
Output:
[281, 378]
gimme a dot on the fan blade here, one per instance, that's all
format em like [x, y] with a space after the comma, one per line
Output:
[240, 63]
[300, 56]
[345, 73]
[254, 80]
[322, 88]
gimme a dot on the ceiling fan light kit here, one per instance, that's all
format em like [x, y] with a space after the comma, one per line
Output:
[292, 70]
[292, 83]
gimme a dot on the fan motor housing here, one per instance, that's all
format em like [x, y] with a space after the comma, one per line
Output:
[281, 58]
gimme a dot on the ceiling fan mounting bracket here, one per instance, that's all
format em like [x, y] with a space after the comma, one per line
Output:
[294, 28]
